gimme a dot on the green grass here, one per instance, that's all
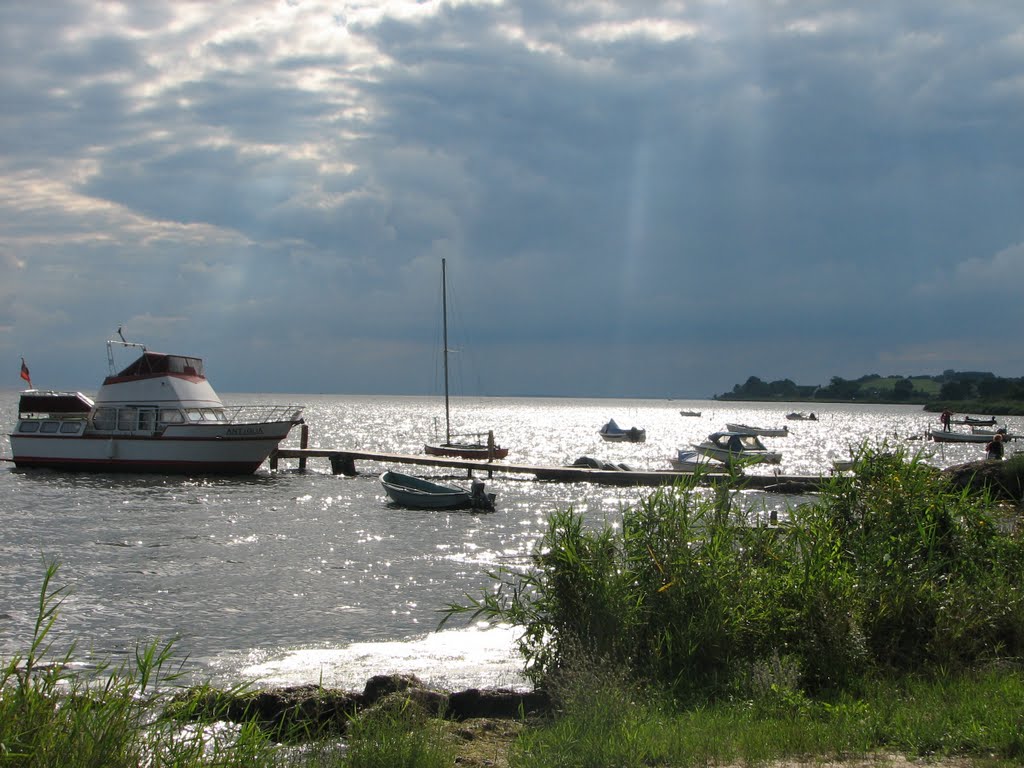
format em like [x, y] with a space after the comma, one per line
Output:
[396, 733]
[604, 721]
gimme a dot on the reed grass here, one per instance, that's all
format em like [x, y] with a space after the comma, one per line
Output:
[135, 715]
[398, 733]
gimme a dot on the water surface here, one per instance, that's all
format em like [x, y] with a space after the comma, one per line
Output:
[287, 577]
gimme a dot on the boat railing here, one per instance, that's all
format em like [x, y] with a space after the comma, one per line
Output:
[262, 414]
[473, 437]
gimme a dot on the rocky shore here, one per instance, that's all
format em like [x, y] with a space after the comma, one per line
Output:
[313, 710]
[1003, 480]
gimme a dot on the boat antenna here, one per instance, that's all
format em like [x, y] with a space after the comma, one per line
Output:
[123, 342]
[444, 326]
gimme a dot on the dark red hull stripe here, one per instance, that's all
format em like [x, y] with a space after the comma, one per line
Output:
[157, 439]
[163, 467]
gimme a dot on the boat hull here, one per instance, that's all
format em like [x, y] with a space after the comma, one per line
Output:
[972, 422]
[465, 451]
[613, 433]
[222, 449]
[694, 461]
[760, 431]
[418, 493]
[941, 436]
[630, 436]
[730, 458]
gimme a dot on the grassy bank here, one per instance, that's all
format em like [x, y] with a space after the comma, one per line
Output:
[891, 580]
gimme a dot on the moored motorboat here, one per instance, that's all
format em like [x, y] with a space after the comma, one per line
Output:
[949, 436]
[159, 414]
[975, 421]
[736, 447]
[419, 493]
[613, 433]
[796, 416]
[761, 431]
[694, 461]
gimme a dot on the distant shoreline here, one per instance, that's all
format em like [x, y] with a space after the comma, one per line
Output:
[956, 406]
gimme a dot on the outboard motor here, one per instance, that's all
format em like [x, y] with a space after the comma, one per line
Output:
[479, 498]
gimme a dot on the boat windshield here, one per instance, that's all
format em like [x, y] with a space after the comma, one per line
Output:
[156, 362]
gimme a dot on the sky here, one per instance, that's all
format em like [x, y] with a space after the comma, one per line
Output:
[632, 199]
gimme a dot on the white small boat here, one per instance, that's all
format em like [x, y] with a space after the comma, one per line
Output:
[613, 433]
[690, 413]
[737, 447]
[419, 493]
[944, 436]
[695, 461]
[159, 414]
[760, 431]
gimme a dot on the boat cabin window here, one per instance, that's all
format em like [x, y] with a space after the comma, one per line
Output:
[213, 414]
[49, 427]
[147, 419]
[71, 427]
[104, 418]
[171, 416]
[155, 362]
[127, 418]
[28, 426]
[194, 414]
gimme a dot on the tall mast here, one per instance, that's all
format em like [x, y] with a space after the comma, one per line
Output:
[444, 315]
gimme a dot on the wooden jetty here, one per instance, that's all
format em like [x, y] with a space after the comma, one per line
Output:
[343, 462]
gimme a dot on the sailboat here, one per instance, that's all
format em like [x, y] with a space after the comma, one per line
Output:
[478, 445]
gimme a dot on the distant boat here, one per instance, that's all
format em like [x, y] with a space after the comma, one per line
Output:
[613, 433]
[975, 421]
[762, 431]
[478, 445]
[418, 493]
[801, 416]
[689, 413]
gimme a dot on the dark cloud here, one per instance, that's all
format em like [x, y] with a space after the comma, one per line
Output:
[699, 192]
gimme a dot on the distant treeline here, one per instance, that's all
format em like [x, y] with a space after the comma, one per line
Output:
[960, 390]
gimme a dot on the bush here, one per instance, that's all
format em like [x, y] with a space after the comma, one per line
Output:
[890, 569]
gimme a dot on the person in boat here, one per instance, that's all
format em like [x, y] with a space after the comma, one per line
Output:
[994, 450]
[946, 418]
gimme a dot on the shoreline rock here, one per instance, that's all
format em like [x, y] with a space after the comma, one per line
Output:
[999, 478]
[311, 709]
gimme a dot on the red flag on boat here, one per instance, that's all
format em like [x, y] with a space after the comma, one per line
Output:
[24, 373]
